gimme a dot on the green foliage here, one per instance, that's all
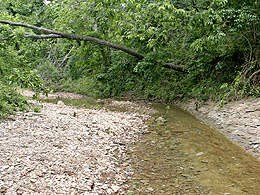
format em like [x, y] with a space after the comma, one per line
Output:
[86, 85]
[208, 36]
[238, 89]
[10, 101]
[28, 79]
[37, 109]
[16, 59]
[218, 40]
[51, 76]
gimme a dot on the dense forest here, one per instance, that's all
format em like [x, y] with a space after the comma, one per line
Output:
[157, 50]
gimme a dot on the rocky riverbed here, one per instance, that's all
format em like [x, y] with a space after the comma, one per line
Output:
[238, 120]
[67, 150]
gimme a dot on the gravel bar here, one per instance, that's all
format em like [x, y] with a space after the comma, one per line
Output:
[67, 150]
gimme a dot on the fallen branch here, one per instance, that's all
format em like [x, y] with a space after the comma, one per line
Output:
[50, 36]
[58, 34]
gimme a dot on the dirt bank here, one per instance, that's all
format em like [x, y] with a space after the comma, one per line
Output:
[238, 120]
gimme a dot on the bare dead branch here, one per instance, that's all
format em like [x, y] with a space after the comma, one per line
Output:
[65, 58]
[255, 73]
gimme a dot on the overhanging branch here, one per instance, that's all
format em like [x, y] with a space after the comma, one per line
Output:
[58, 34]
[49, 36]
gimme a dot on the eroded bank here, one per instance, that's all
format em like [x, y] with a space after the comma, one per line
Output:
[238, 120]
[185, 156]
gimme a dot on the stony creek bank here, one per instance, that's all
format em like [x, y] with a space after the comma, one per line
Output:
[238, 120]
[67, 150]
[78, 150]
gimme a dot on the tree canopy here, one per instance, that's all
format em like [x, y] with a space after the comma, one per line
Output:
[84, 46]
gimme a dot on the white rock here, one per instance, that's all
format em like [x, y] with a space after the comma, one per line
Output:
[200, 154]
[115, 188]
[58, 152]
[109, 191]
[60, 103]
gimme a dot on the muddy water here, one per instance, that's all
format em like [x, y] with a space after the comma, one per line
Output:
[185, 156]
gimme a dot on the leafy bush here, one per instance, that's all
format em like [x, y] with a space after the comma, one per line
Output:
[85, 85]
[52, 77]
[28, 79]
[11, 101]
[217, 40]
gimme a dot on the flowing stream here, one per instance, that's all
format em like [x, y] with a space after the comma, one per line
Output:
[182, 155]
[185, 156]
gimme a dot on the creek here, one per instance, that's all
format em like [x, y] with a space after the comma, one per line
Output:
[182, 155]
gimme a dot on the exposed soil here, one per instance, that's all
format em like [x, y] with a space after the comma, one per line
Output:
[238, 120]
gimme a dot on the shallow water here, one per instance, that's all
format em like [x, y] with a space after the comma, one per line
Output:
[185, 156]
[86, 103]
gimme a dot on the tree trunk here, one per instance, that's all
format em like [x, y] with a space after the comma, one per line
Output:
[58, 34]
